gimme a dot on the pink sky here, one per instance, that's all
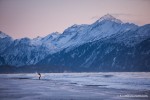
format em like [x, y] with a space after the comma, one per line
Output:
[32, 18]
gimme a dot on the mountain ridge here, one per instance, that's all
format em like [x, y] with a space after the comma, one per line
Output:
[104, 35]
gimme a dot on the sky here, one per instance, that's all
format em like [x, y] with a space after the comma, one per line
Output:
[32, 18]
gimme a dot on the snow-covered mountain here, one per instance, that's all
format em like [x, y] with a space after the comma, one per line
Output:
[5, 41]
[102, 28]
[107, 43]
[46, 41]
[26, 51]
[3, 35]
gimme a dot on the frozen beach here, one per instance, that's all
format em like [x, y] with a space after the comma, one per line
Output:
[76, 86]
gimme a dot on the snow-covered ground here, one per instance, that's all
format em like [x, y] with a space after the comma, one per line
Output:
[72, 86]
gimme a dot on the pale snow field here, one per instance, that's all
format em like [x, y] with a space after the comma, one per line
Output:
[72, 86]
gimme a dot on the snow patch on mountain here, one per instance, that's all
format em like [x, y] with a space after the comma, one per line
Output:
[110, 18]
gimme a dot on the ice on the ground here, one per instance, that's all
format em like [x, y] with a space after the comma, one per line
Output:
[117, 80]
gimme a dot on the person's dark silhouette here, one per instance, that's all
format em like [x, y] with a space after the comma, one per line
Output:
[39, 76]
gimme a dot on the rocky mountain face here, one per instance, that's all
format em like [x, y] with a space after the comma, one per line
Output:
[102, 56]
[106, 45]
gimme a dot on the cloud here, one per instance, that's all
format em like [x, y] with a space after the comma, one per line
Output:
[122, 15]
[95, 17]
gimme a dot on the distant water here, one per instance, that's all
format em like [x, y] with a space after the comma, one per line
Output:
[117, 80]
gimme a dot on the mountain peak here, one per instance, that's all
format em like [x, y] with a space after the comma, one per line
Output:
[107, 16]
[3, 35]
[110, 18]
[52, 35]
